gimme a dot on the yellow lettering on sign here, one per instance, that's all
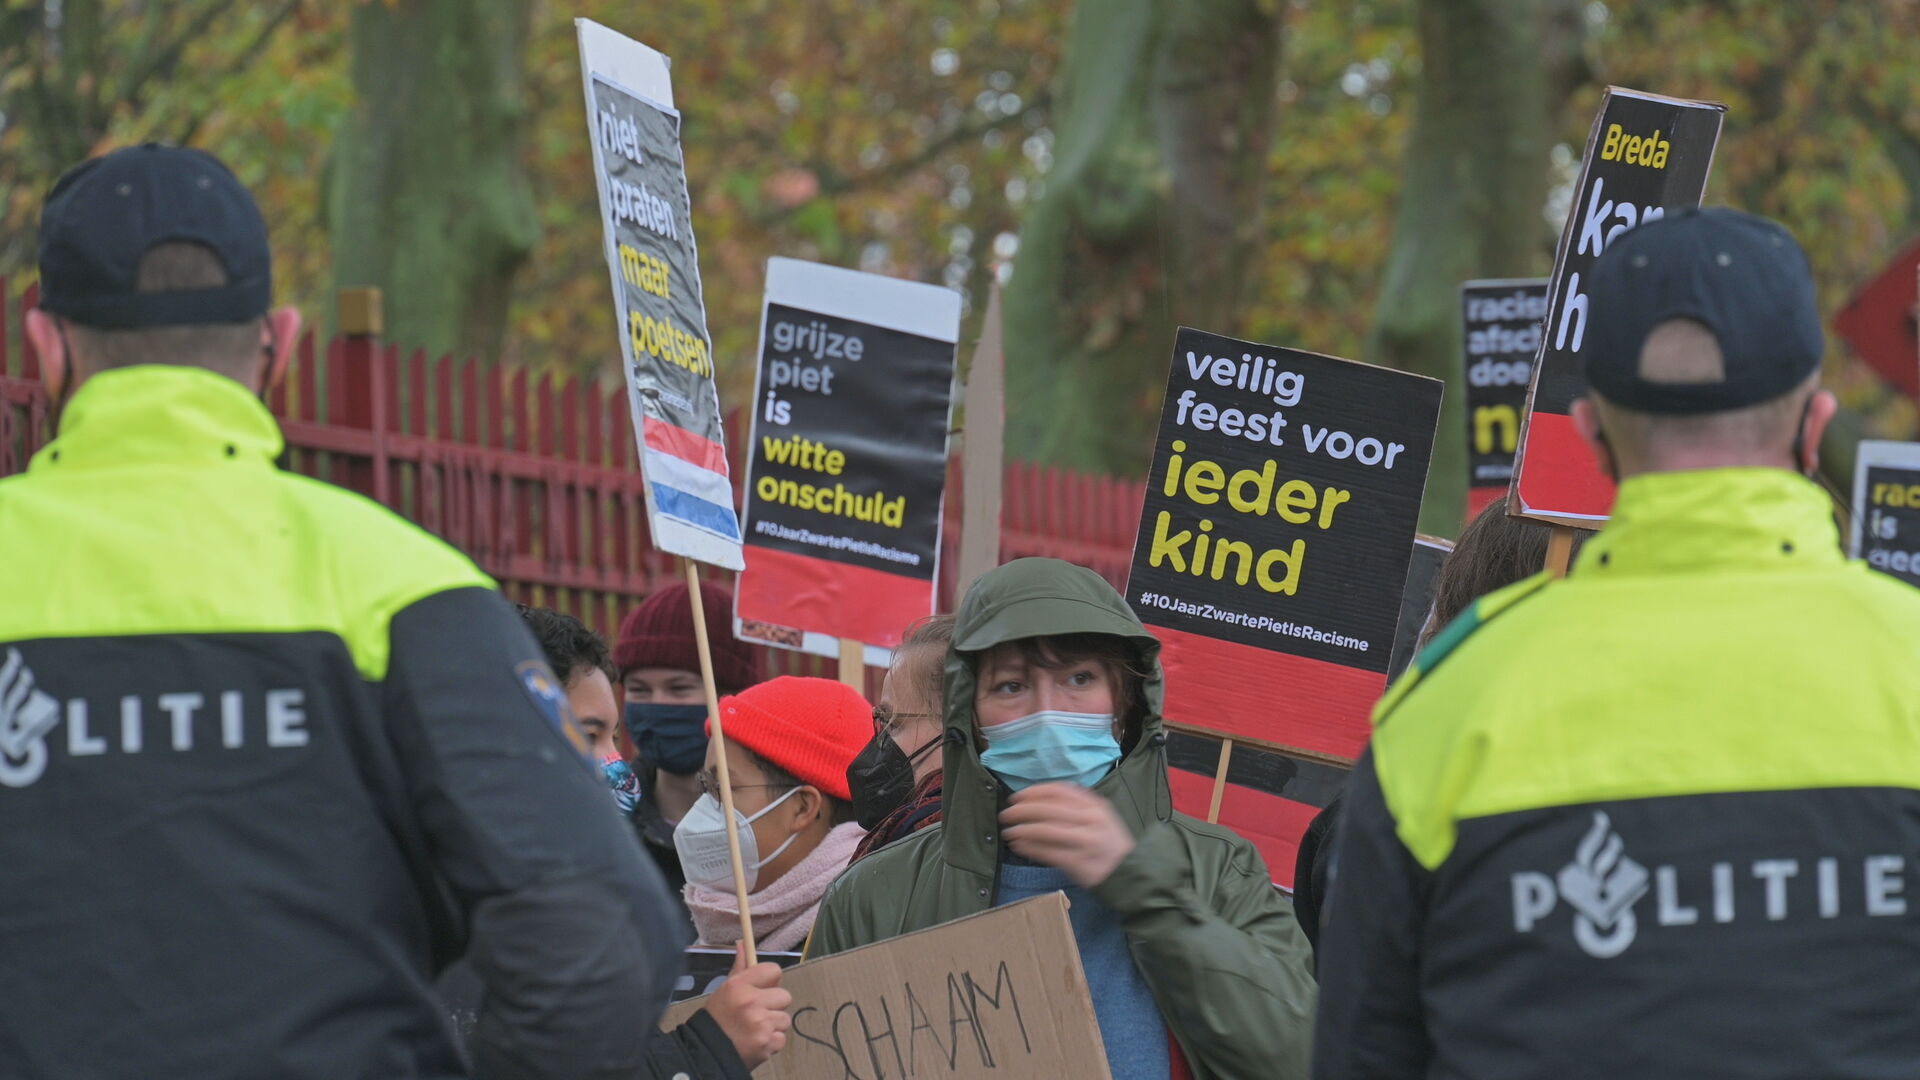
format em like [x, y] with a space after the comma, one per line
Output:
[1649, 150]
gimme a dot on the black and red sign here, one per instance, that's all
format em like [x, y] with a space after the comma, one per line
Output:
[1647, 155]
[1502, 321]
[847, 464]
[1273, 545]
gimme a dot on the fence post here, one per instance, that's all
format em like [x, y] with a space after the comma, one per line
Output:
[362, 403]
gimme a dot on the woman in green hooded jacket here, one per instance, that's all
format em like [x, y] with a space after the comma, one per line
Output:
[1056, 778]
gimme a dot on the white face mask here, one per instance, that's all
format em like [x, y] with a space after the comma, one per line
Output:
[701, 840]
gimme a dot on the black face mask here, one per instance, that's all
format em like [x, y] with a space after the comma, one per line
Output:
[672, 738]
[882, 777]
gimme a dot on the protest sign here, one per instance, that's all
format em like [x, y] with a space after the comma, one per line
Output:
[1646, 155]
[1502, 335]
[998, 994]
[848, 462]
[1886, 508]
[647, 225]
[983, 452]
[1274, 541]
[1270, 796]
[1416, 600]
[708, 967]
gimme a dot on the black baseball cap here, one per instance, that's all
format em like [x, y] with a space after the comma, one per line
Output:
[104, 215]
[1742, 277]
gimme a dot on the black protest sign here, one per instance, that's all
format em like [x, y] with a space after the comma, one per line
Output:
[848, 465]
[708, 967]
[850, 440]
[1646, 156]
[1279, 516]
[1886, 507]
[1416, 601]
[1501, 336]
[648, 217]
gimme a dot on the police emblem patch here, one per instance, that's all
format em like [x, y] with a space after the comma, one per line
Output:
[550, 698]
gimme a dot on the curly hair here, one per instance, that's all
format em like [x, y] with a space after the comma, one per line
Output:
[567, 643]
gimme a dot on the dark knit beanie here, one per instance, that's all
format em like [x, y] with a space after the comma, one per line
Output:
[812, 728]
[659, 633]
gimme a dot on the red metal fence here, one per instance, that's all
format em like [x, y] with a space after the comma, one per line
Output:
[536, 479]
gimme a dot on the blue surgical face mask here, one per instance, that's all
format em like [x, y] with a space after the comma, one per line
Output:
[1046, 746]
[673, 738]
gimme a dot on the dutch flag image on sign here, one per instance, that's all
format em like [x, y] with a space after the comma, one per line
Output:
[687, 477]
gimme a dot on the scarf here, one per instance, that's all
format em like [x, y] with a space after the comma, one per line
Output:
[921, 809]
[783, 910]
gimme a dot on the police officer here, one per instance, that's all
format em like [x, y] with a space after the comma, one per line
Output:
[1660, 818]
[269, 755]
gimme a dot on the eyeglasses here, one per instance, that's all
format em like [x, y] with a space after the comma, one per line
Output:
[710, 785]
[885, 720]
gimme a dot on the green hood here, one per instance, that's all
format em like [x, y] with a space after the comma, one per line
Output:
[1035, 598]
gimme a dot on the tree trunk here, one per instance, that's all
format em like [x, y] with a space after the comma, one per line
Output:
[1494, 77]
[1150, 216]
[428, 198]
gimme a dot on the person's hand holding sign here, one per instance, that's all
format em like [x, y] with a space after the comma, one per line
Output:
[752, 1009]
[1067, 826]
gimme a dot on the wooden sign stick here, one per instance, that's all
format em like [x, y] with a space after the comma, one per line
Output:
[720, 757]
[1219, 782]
[853, 664]
[1559, 549]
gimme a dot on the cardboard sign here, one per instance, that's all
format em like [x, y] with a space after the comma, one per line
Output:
[647, 222]
[994, 995]
[1274, 541]
[1886, 508]
[848, 466]
[1416, 600]
[1646, 155]
[708, 967]
[1502, 336]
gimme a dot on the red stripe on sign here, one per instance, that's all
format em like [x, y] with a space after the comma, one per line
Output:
[832, 598]
[1478, 498]
[1558, 473]
[685, 445]
[1241, 691]
[1272, 823]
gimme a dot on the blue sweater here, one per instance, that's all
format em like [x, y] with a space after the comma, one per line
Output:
[1130, 1023]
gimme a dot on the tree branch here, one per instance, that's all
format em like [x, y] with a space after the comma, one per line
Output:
[241, 59]
[833, 182]
[166, 56]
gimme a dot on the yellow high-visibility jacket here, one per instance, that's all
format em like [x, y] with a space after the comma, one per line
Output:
[1658, 819]
[269, 755]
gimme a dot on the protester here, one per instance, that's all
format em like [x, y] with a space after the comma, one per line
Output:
[1493, 551]
[666, 705]
[1056, 779]
[896, 780]
[311, 754]
[745, 1021]
[789, 742]
[578, 656]
[1651, 820]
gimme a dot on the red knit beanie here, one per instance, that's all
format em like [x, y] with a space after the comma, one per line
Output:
[813, 728]
[659, 633]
